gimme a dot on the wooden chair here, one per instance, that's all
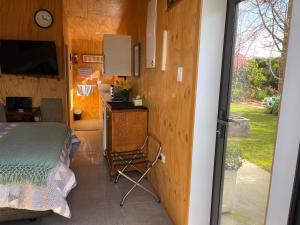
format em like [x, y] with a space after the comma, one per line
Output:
[51, 110]
[2, 114]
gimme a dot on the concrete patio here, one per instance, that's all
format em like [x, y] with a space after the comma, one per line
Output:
[250, 197]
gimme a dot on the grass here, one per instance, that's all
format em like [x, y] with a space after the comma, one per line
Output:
[258, 147]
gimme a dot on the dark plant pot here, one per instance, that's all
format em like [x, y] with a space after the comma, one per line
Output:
[121, 94]
[77, 116]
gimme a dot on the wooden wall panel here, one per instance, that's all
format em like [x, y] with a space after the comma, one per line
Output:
[91, 19]
[30, 86]
[171, 103]
[89, 104]
[88, 21]
[16, 22]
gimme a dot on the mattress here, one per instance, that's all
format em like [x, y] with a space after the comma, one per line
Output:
[30, 194]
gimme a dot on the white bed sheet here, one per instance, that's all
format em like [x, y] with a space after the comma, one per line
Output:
[60, 182]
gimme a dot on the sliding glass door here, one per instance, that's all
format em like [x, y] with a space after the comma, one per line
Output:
[251, 85]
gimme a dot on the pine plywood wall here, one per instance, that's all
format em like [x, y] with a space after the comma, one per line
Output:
[16, 22]
[91, 19]
[88, 21]
[171, 103]
[89, 104]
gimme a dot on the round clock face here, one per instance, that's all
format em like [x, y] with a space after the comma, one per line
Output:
[43, 18]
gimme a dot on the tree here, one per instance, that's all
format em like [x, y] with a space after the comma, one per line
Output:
[263, 63]
[254, 80]
[255, 74]
[275, 18]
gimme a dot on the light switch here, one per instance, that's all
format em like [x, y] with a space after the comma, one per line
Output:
[180, 74]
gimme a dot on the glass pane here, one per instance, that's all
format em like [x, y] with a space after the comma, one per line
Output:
[261, 44]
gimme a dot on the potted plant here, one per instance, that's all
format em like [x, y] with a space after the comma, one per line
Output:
[233, 162]
[122, 90]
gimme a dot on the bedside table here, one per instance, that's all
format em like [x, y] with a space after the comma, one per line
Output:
[26, 116]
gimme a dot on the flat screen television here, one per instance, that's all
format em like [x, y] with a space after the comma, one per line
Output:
[28, 57]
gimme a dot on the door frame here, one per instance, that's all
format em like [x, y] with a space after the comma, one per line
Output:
[211, 38]
[295, 200]
[223, 109]
[206, 110]
[288, 134]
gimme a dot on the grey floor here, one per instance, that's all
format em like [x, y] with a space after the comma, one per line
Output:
[95, 200]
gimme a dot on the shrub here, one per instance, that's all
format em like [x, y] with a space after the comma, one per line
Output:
[233, 159]
[255, 80]
[255, 74]
[240, 87]
[238, 93]
[272, 104]
[261, 94]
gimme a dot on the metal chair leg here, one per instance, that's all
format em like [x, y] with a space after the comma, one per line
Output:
[132, 163]
[117, 178]
[137, 184]
[128, 163]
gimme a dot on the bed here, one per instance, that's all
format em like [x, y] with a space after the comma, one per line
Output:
[35, 177]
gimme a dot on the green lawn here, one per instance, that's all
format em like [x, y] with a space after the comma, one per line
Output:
[258, 147]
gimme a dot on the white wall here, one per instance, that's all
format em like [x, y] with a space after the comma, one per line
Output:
[288, 136]
[209, 74]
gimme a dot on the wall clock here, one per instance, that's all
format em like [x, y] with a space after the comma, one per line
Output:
[43, 18]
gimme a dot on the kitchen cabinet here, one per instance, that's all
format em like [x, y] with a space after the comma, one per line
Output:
[126, 130]
[117, 50]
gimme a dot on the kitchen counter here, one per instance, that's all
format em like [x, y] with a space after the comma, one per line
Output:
[118, 105]
[116, 108]
[109, 102]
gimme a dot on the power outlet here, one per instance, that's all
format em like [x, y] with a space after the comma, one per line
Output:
[162, 158]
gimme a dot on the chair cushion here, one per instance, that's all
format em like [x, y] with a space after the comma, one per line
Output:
[52, 110]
